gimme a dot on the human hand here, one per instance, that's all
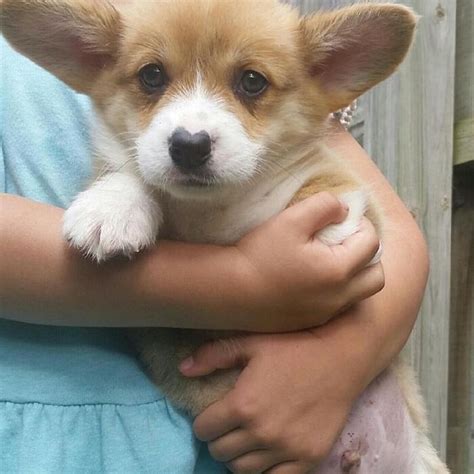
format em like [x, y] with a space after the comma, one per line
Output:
[293, 280]
[288, 406]
[275, 279]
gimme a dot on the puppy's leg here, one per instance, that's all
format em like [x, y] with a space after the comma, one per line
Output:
[350, 191]
[427, 460]
[117, 215]
[423, 458]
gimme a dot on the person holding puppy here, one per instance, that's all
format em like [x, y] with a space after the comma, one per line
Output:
[74, 399]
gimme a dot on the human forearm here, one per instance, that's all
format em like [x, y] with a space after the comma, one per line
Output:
[370, 335]
[43, 281]
[328, 366]
[242, 287]
[382, 323]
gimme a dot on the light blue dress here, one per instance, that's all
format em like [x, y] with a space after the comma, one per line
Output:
[72, 400]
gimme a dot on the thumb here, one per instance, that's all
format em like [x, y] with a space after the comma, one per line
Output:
[215, 355]
[315, 213]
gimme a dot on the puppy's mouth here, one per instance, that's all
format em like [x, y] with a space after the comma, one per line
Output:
[201, 180]
[193, 185]
[197, 182]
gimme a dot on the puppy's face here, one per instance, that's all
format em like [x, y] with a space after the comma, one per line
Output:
[207, 94]
[202, 85]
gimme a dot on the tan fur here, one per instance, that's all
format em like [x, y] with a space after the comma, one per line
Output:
[217, 39]
[397, 26]
[242, 26]
[337, 180]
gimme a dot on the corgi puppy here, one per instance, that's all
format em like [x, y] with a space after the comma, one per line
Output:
[211, 116]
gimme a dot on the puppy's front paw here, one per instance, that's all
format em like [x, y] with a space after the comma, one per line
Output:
[335, 234]
[103, 223]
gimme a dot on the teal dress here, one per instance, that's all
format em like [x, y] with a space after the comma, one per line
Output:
[72, 400]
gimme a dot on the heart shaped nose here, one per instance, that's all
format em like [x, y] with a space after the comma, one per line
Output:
[189, 151]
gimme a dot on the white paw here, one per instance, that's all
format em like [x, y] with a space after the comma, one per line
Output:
[335, 234]
[106, 221]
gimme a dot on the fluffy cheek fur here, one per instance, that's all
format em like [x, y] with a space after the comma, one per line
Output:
[234, 156]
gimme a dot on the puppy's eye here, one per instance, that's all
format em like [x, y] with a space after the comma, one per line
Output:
[152, 77]
[252, 83]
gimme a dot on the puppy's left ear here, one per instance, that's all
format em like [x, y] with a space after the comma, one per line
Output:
[348, 51]
[73, 39]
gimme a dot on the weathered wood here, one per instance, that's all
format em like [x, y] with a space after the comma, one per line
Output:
[461, 379]
[460, 453]
[409, 132]
[464, 111]
[307, 6]
[464, 140]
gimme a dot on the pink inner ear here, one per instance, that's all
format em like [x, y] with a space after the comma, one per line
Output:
[86, 56]
[344, 68]
[360, 51]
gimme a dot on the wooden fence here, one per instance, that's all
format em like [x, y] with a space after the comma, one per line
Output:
[407, 125]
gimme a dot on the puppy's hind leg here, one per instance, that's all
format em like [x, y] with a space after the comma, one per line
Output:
[427, 460]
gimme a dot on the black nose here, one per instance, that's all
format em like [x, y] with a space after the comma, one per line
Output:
[189, 151]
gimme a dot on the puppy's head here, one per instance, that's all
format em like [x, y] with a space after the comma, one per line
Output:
[206, 94]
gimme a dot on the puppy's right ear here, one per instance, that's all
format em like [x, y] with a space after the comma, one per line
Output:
[350, 50]
[73, 39]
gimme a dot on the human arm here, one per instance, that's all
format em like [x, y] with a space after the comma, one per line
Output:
[43, 281]
[280, 414]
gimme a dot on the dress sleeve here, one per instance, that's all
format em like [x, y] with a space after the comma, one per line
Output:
[2, 121]
[2, 168]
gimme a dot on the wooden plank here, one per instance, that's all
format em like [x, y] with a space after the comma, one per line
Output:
[464, 140]
[461, 371]
[461, 378]
[307, 6]
[464, 111]
[409, 130]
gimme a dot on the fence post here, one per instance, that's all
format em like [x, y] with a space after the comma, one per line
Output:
[408, 130]
[461, 370]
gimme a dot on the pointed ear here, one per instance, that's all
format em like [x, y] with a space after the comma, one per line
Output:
[350, 50]
[73, 39]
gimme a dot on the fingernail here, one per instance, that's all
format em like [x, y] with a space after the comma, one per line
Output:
[344, 205]
[186, 364]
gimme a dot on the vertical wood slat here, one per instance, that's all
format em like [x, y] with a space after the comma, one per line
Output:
[460, 452]
[307, 6]
[408, 131]
[460, 449]
[464, 111]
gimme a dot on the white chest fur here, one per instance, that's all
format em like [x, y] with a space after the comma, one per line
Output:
[224, 221]
[119, 214]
